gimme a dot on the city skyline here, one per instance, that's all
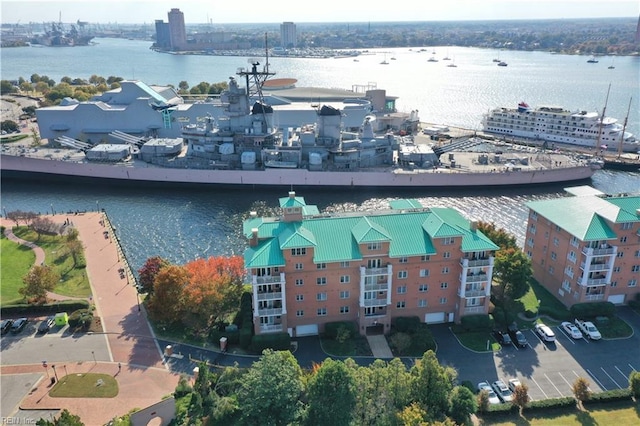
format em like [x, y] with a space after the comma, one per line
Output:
[277, 11]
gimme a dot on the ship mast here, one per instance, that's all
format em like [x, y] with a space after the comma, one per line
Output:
[602, 120]
[624, 127]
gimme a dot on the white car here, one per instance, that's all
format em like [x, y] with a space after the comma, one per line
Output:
[571, 330]
[503, 392]
[545, 333]
[513, 384]
[493, 398]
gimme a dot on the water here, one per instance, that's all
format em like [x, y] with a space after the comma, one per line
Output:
[183, 224]
[453, 96]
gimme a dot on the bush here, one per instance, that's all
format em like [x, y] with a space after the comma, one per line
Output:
[558, 314]
[245, 336]
[477, 322]
[545, 404]
[610, 396]
[331, 328]
[81, 318]
[467, 384]
[275, 341]
[593, 309]
[406, 324]
[25, 309]
[422, 339]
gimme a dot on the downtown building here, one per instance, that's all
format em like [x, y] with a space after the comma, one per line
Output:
[586, 247]
[309, 268]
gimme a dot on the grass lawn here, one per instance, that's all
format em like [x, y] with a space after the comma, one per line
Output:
[73, 281]
[15, 262]
[622, 413]
[85, 386]
[354, 346]
[614, 328]
[477, 340]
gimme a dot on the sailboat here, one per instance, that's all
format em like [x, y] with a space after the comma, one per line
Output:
[452, 64]
[611, 66]
[446, 58]
[592, 60]
[385, 60]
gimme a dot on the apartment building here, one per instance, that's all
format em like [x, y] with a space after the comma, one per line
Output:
[586, 247]
[309, 268]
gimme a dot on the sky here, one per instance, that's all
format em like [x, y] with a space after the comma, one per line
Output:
[299, 11]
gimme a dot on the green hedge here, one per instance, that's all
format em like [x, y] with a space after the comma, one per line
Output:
[275, 341]
[610, 396]
[558, 314]
[593, 309]
[406, 324]
[544, 404]
[246, 334]
[24, 309]
[331, 328]
[477, 322]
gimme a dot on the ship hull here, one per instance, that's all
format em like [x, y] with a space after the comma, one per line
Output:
[36, 167]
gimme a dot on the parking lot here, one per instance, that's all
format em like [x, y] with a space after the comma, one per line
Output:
[549, 369]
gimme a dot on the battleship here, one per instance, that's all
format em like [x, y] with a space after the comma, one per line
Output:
[57, 36]
[244, 146]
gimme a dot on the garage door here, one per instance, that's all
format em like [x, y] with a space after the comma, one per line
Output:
[434, 318]
[616, 299]
[307, 330]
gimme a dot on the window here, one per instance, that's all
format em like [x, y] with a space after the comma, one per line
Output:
[299, 266]
[443, 300]
[556, 241]
[626, 226]
[402, 289]
[344, 294]
[623, 239]
[532, 228]
[344, 264]
[444, 285]
[557, 228]
[620, 254]
[574, 241]
[446, 255]
[425, 258]
[402, 275]
[344, 309]
[374, 246]
[637, 254]
[299, 297]
[403, 260]
[448, 241]
[529, 254]
[422, 303]
[569, 271]
[401, 304]
[424, 272]
[616, 269]
[566, 285]
[635, 268]
[299, 251]
[321, 296]
[321, 280]
[530, 242]
[445, 270]
[551, 270]
[299, 313]
[633, 282]
[322, 312]
[572, 256]
[299, 281]
[534, 215]
[614, 283]
[423, 288]
[344, 279]
[554, 256]
[321, 266]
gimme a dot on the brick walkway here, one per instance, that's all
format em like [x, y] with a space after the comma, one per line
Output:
[143, 380]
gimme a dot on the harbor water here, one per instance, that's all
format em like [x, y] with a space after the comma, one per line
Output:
[181, 224]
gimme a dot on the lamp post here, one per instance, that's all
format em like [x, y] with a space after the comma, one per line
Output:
[65, 370]
[138, 298]
[54, 372]
[52, 212]
[94, 357]
[97, 206]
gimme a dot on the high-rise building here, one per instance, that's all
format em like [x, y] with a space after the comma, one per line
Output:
[163, 35]
[177, 30]
[288, 35]
[308, 269]
[586, 247]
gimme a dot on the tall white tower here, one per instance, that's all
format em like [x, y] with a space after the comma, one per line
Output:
[288, 35]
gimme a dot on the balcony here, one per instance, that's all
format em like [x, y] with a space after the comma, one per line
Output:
[269, 312]
[594, 267]
[275, 295]
[370, 272]
[475, 263]
[376, 287]
[593, 297]
[596, 282]
[471, 310]
[603, 251]
[274, 328]
[472, 293]
[475, 278]
[368, 303]
[267, 279]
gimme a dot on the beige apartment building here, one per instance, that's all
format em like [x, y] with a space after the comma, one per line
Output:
[586, 247]
[309, 268]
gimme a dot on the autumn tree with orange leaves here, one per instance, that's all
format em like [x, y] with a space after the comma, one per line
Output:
[167, 303]
[213, 290]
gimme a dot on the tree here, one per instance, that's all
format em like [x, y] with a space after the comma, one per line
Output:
[462, 404]
[214, 289]
[431, 384]
[483, 401]
[65, 419]
[7, 87]
[498, 235]
[271, 390]
[512, 270]
[35, 136]
[44, 225]
[147, 274]
[413, 415]
[166, 304]
[19, 216]
[521, 396]
[331, 395]
[9, 126]
[401, 341]
[183, 86]
[634, 383]
[39, 280]
[581, 391]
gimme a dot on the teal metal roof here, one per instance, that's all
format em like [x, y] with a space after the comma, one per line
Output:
[292, 202]
[406, 204]
[629, 208]
[336, 238]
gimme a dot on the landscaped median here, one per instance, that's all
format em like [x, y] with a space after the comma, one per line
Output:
[85, 385]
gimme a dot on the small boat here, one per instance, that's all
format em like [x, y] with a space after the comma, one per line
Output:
[432, 59]
[502, 64]
[610, 67]
[592, 60]
[496, 60]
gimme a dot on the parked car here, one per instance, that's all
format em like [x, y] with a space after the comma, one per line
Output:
[513, 384]
[5, 326]
[46, 324]
[588, 329]
[503, 392]
[545, 333]
[571, 330]
[517, 336]
[493, 398]
[18, 325]
[503, 338]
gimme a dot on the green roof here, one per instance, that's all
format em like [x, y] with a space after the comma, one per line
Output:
[406, 204]
[588, 218]
[336, 238]
[266, 253]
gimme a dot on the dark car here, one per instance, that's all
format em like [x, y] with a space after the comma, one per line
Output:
[18, 325]
[5, 326]
[517, 336]
[502, 337]
[46, 324]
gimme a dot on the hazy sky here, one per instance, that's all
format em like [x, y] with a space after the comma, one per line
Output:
[276, 11]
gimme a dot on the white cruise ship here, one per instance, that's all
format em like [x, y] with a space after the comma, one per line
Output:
[556, 124]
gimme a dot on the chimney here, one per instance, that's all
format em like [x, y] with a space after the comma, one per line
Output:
[474, 225]
[292, 194]
[254, 237]
[253, 214]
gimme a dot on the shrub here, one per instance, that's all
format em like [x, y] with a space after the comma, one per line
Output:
[80, 318]
[477, 322]
[245, 336]
[559, 314]
[24, 309]
[545, 404]
[610, 396]
[634, 383]
[593, 309]
[331, 328]
[422, 339]
[275, 341]
[406, 324]
[467, 384]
